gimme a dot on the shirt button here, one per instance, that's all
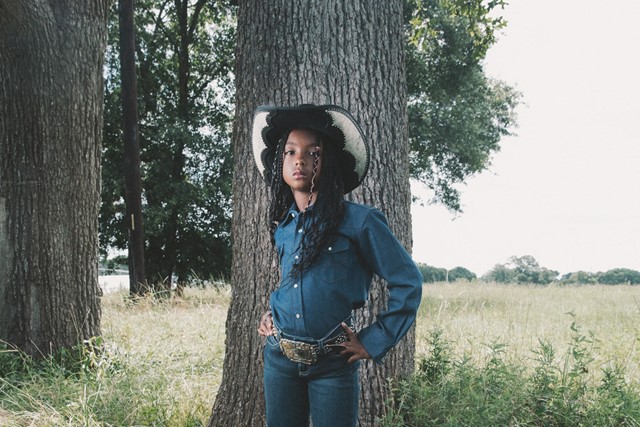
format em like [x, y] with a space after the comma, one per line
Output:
[295, 285]
[329, 248]
[297, 315]
[300, 230]
[293, 215]
[296, 257]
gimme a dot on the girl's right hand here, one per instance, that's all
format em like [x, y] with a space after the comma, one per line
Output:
[265, 328]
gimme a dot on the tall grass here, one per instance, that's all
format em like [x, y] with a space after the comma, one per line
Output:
[474, 315]
[492, 355]
[484, 352]
[159, 364]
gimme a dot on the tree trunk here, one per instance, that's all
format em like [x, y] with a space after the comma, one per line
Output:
[51, 58]
[132, 179]
[289, 52]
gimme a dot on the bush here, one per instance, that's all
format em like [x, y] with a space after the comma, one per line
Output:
[555, 392]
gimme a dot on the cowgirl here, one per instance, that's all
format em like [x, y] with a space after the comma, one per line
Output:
[328, 250]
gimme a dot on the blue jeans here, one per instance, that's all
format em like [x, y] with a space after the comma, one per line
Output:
[327, 391]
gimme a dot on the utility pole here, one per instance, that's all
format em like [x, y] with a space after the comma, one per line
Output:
[133, 185]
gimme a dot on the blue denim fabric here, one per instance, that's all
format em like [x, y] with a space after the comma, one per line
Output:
[326, 391]
[310, 304]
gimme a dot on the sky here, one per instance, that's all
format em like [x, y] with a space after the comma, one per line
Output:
[565, 188]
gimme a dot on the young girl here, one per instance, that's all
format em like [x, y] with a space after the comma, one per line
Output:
[328, 250]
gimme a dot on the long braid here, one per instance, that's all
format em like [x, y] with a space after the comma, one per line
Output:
[327, 209]
[281, 197]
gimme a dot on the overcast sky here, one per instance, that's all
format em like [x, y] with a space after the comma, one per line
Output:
[565, 189]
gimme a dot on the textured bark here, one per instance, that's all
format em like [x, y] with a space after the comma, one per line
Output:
[51, 57]
[348, 53]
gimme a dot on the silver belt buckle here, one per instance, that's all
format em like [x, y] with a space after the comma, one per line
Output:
[299, 352]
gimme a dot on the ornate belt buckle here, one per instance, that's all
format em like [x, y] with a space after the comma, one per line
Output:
[299, 352]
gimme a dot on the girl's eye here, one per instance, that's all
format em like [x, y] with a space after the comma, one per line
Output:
[288, 152]
[315, 153]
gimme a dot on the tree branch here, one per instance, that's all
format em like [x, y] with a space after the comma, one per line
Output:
[194, 19]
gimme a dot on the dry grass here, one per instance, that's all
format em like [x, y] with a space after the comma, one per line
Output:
[162, 363]
[474, 315]
[179, 340]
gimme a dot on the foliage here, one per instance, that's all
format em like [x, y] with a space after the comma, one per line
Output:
[457, 115]
[185, 91]
[435, 274]
[579, 278]
[432, 274]
[460, 273]
[185, 88]
[619, 276]
[616, 276]
[523, 269]
[556, 392]
[526, 269]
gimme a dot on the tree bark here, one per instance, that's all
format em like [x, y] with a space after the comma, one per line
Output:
[51, 57]
[289, 52]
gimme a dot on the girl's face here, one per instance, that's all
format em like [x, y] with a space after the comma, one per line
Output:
[302, 153]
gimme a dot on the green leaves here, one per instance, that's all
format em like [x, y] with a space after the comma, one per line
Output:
[185, 90]
[522, 270]
[185, 51]
[457, 115]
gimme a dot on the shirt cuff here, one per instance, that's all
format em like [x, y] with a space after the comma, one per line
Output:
[375, 342]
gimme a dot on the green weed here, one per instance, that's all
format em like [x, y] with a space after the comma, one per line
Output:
[555, 391]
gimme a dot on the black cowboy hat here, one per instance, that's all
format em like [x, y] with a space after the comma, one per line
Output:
[270, 123]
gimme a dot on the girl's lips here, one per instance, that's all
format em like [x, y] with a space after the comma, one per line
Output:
[299, 174]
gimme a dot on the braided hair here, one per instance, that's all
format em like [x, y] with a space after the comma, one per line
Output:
[327, 209]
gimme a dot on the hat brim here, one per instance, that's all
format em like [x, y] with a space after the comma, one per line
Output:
[270, 123]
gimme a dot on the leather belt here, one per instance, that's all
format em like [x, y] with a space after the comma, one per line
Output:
[309, 353]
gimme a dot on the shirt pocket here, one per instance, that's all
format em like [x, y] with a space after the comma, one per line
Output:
[336, 261]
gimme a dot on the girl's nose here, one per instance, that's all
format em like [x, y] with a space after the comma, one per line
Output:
[300, 161]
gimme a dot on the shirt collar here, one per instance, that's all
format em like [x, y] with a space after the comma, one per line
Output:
[294, 212]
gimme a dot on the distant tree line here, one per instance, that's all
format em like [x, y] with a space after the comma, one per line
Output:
[432, 274]
[615, 276]
[526, 270]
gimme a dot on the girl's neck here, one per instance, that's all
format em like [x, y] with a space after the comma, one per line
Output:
[304, 200]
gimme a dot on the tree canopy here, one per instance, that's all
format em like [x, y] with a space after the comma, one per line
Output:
[457, 114]
[524, 269]
[185, 91]
[432, 274]
[185, 50]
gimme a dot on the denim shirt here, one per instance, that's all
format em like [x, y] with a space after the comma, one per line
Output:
[309, 305]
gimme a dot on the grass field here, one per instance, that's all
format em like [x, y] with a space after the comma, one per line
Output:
[162, 361]
[475, 315]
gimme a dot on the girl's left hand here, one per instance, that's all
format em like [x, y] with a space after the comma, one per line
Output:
[354, 350]
[265, 328]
